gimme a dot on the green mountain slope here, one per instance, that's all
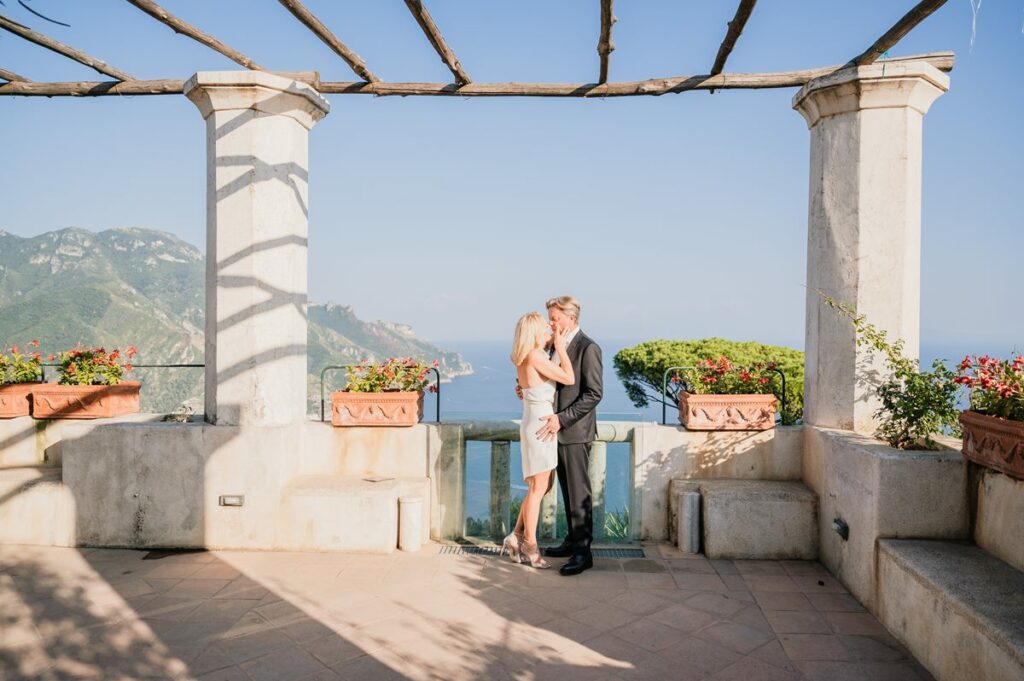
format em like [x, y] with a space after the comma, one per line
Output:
[145, 288]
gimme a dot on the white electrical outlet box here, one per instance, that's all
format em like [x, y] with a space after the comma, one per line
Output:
[232, 500]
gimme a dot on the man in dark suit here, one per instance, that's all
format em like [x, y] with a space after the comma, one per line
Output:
[575, 425]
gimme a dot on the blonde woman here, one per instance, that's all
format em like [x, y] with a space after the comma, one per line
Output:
[537, 377]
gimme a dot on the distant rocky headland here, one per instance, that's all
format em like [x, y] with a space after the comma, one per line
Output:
[145, 287]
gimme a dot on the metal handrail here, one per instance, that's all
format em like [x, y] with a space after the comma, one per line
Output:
[338, 367]
[664, 389]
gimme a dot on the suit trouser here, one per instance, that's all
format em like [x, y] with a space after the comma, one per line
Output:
[574, 479]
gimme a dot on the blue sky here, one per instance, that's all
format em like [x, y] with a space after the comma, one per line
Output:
[679, 216]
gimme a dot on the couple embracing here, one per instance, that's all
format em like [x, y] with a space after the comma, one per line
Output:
[559, 379]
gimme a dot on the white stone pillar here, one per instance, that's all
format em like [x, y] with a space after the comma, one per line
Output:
[864, 229]
[257, 127]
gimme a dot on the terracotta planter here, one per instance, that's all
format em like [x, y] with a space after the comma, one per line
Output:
[52, 401]
[376, 409]
[726, 412]
[16, 399]
[994, 442]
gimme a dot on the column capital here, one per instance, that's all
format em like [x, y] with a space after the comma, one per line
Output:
[882, 85]
[214, 91]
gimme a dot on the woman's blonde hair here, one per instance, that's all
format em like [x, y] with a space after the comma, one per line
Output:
[524, 341]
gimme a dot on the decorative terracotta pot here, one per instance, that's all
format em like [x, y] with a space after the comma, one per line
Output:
[726, 412]
[16, 399]
[396, 408]
[52, 401]
[994, 442]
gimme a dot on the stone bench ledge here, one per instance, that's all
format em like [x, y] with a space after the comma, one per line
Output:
[982, 633]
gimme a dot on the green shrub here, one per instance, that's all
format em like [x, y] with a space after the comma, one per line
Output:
[642, 367]
[916, 405]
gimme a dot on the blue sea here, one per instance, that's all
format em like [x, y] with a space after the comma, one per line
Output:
[489, 394]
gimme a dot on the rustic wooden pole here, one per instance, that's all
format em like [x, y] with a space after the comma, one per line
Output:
[915, 16]
[321, 31]
[605, 45]
[178, 26]
[433, 34]
[13, 77]
[60, 48]
[736, 26]
[727, 81]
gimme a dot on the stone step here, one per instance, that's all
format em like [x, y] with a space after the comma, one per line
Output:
[957, 608]
[341, 513]
[749, 519]
[36, 507]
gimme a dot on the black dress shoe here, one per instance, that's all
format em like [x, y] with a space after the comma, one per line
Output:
[561, 551]
[577, 564]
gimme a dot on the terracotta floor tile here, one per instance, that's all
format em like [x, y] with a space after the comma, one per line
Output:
[801, 647]
[684, 618]
[718, 603]
[784, 600]
[832, 602]
[797, 622]
[751, 669]
[649, 634]
[858, 671]
[863, 623]
[738, 638]
[700, 582]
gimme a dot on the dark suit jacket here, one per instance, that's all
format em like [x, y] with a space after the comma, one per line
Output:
[576, 404]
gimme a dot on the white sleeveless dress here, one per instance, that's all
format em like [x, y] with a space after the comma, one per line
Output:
[538, 456]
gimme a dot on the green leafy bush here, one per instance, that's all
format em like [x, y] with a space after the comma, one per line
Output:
[916, 405]
[642, 367]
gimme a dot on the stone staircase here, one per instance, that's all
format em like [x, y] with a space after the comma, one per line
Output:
[745, 519]
[959, 605]
[344, 513]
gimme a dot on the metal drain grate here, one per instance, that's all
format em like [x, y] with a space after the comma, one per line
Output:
[492, 550]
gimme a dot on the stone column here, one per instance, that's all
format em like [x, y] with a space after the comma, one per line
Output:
[864, 229]
[257, 128]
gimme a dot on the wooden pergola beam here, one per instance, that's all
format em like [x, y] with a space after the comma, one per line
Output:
[732, 34]
[320, 30]
[915, 16]
[13, 77]
[60, 48]
[178, 26]
[605, 44]
[725, 81]
[430, 29]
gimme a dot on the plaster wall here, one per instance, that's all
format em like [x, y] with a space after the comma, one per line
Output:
[879, 492]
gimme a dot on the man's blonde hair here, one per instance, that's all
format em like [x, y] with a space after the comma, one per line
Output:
[567, 304]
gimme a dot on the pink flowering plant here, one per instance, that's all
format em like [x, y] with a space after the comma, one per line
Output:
[395, 374]
[17, 366]
[722, 377]
[997, 385]
[93, 366]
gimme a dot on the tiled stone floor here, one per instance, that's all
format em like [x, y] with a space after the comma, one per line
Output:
[76, 614]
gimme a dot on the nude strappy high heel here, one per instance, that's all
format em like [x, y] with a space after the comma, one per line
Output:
[513, 546]
[532, 556]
